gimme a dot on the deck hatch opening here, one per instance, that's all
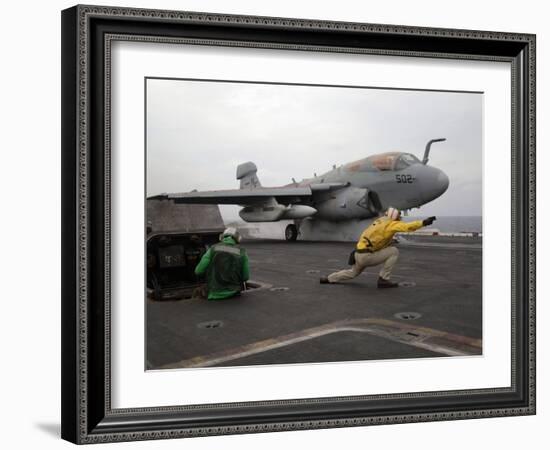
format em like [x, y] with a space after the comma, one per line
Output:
[251, 285]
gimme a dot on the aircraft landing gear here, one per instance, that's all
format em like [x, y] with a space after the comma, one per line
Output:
[291, 232]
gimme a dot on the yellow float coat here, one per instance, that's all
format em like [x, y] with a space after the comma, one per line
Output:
[380, 233]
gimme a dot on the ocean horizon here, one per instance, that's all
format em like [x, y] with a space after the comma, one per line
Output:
[455, 224]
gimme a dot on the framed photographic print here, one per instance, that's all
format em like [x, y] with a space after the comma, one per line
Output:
[278, 224]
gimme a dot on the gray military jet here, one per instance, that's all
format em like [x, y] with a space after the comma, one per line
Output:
[354, 191]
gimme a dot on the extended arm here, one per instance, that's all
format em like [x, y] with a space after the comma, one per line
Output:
[404, 227]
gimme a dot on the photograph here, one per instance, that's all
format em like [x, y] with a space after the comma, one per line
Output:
[307, 223]
[275, 223]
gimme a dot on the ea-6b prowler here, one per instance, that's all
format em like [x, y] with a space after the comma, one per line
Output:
[354, 191]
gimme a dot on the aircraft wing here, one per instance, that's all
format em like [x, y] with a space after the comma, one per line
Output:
[244, 196]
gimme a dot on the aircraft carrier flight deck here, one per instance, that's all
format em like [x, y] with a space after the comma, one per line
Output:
[289, 317]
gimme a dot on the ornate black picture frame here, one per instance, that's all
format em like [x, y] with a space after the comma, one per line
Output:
[87, 414]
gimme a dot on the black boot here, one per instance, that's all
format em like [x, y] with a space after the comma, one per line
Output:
[382, 283]
[324, 280]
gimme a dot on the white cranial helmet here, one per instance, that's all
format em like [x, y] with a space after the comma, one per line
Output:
[393, 213]
[232, 231]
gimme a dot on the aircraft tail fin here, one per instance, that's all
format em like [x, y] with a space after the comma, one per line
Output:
[246, 172]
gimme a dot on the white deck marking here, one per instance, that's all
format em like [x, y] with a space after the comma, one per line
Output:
[426, 338]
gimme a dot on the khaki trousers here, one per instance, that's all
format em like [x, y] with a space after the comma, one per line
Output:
[387, 255]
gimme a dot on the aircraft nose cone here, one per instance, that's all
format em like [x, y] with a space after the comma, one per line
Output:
[435, 183]
[442, 182]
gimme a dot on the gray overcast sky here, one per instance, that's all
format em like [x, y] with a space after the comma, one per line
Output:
[198, 132]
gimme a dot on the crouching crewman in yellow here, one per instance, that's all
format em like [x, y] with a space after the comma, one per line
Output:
[373, 248]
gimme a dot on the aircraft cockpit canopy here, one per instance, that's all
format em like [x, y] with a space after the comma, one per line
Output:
[383, 161]
[392, 161]
[406, 160]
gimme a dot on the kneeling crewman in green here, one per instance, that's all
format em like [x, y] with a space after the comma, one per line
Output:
[374, 248]
[225, 265]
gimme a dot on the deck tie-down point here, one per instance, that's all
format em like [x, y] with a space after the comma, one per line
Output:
[407, 315]
[210, 324]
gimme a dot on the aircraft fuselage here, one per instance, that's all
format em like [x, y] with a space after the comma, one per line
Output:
[373, 187]
[354, 191]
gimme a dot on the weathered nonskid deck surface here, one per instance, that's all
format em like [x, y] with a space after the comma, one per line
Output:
[294, 319]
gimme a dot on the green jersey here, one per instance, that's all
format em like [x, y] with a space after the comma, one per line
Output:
[226, 268]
